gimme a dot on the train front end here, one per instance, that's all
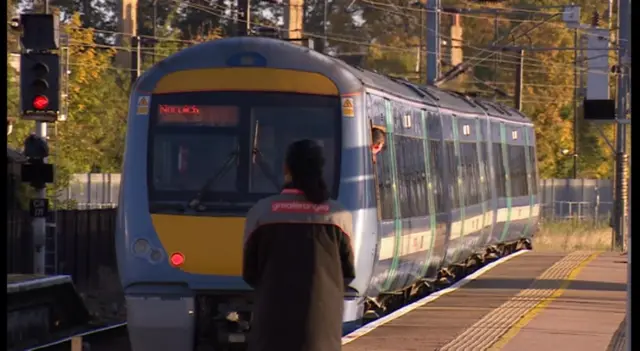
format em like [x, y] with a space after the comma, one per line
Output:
[206, 138]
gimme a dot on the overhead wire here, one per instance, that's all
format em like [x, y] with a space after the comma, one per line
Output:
[337, 37]
[207, 9]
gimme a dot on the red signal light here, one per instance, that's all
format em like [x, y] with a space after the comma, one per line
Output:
[177, 259]
[40, 102]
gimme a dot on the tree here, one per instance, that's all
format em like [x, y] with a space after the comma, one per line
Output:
[92, 137]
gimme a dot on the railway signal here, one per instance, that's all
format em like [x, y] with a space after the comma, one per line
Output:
[39, 101]
[40, 86]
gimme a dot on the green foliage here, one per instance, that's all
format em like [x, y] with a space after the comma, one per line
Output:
[92, 137]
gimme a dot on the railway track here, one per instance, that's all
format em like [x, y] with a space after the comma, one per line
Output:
[109, 338]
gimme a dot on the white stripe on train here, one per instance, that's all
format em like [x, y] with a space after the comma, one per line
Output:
[471, 225]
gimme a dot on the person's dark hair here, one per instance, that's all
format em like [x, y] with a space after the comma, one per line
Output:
[306, 162]
[377, 135]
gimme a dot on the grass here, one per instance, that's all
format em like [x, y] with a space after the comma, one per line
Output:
[567, 236]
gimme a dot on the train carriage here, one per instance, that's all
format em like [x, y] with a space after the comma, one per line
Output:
[206, 136]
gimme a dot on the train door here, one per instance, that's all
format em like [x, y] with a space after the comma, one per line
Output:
[498, 179]
[535, 178]
[390, 224]
[517, 168]
[471, 211]
[504, 214]
[450, 181]
[408, 139]
[531, 179]
[436, 184]
[427, 185]
[458, 199]
[483, 175]
[385, 196]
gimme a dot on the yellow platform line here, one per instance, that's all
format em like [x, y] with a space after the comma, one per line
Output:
[534, 311]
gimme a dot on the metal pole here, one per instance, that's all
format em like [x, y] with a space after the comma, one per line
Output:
[154, 23]
[244, 17]
[624, 60]
[136, 61]
[39, 224]
[495, 62]
[324, 27]
[519, 79]
[575, 104]
[433, 40]
[628, 314]
[247, 18]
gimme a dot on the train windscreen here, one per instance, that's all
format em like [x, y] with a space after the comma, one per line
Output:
[229, 148]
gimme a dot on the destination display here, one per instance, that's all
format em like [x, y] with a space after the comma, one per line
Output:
[218, 116]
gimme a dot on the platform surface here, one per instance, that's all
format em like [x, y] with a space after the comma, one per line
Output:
[25, 282]
[535, 301]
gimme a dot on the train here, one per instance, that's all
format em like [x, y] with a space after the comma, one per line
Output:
[455, 185]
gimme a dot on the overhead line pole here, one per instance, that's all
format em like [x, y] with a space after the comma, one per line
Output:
[519, 79]
[244, 18]
[624, 60]
[575, 104]
[433, 40]
[454, 72]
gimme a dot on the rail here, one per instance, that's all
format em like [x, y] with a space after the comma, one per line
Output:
[77, 341]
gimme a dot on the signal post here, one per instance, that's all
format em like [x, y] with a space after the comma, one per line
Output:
[39, 102]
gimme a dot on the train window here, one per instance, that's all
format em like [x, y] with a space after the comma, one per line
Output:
[470, 173]
[484, 152]
[453, 173]
[437, 168]
[273, 129]
[411, 176]
[402, 156]
[517, 170]
[385, 182]
[419, 178]
[229, 148]
[498, 168]
[177, 162]
[533, 169]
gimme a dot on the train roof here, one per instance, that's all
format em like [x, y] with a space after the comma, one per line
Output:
[297, 56]
[431, 95]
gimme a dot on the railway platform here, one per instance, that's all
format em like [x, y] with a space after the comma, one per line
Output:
[527, 301]
[40, 306]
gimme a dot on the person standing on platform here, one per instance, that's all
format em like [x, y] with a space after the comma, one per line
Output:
[299, 260]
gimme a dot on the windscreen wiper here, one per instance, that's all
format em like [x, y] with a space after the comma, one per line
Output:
[257, 157]
[195, 202]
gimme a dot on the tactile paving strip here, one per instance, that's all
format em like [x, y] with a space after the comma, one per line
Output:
[489, 329]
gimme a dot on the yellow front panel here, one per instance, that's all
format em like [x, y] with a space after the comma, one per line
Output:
[210, 245]
[246, 79]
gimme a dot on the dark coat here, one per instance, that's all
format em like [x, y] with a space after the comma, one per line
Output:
[298, 258]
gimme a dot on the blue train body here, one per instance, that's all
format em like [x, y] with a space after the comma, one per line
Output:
[457, 180]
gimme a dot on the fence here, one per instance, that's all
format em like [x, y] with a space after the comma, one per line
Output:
[92, 191]
[581, 199]
[561, 198]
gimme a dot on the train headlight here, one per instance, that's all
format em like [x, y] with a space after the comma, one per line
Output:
[156, 256]
[141, 246]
